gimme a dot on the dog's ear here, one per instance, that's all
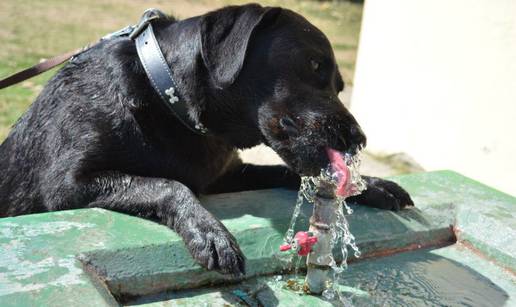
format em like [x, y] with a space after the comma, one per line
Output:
[225, 35]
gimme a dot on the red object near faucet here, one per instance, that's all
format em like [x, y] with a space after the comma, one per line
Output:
[303, 243]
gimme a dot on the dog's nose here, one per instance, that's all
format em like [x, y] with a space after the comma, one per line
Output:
[289, 126]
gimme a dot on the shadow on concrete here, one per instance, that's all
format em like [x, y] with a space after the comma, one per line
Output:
[252, 292]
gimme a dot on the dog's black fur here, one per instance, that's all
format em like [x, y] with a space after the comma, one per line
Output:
[99, 136]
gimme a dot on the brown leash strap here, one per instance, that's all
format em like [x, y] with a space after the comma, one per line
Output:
[53, 62]
[38, 68]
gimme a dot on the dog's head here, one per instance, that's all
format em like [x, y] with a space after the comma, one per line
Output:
[276, 76]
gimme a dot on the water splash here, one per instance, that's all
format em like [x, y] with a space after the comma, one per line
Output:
[289, 236]
[340, 234]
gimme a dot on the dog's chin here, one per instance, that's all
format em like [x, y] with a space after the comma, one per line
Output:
[301, 169]
[302, 164]
[304, 156]
[310, 171]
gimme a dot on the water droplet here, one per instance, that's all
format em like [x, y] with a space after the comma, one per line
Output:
[329, 294]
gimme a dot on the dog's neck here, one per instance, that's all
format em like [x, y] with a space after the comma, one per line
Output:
[219, 110]
[180, 63]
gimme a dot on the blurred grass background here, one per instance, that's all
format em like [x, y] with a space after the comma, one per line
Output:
[32, 30]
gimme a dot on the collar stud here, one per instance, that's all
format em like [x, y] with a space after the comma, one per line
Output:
[170, 93]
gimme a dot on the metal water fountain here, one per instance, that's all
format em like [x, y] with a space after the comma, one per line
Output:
[328, 225]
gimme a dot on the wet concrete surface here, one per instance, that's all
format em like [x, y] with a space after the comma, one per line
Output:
[94, 257]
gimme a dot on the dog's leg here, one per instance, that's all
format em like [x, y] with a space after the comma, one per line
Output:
[244, 177]
[383, 194]
[174, 205]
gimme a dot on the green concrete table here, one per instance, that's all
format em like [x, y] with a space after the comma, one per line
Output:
[457, 247]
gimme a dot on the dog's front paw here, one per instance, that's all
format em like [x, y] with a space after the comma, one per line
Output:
[216, 249]
[383, 194]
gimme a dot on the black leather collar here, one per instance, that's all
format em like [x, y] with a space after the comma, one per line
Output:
[158, 71]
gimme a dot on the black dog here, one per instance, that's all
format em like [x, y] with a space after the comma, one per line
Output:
[99, 135]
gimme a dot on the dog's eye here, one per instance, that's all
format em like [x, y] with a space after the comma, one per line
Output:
[315, 65]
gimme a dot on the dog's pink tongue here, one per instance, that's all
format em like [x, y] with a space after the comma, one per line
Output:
[341, 171]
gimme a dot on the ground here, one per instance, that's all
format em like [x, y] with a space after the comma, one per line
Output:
[34, 30]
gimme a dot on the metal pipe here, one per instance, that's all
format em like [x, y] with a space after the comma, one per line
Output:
[323, 219]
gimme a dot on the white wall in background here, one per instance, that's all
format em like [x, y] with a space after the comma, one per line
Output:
[437, 80]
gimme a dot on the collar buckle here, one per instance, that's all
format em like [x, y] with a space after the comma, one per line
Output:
[148, 16]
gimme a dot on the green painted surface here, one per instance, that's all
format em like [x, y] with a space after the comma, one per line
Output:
[133, 257]
[38, 263]
[259, 220]
[482, 216]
